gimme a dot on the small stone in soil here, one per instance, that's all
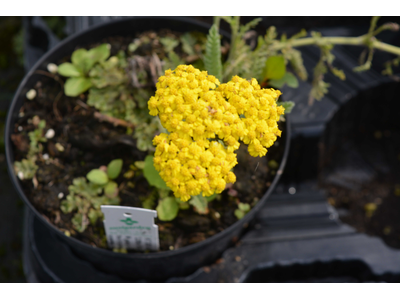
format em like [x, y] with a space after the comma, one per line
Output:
[52, 68]
[59, 147]
[31, 94]
[49, 134]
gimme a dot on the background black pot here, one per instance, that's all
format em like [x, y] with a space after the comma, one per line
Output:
[151, 266]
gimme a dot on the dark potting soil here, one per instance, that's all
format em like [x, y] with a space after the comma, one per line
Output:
[90, 143]
[360, 163]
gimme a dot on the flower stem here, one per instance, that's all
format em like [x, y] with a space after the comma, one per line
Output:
[339, 40]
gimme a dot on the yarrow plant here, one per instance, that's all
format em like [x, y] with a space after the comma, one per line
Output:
[206, 120]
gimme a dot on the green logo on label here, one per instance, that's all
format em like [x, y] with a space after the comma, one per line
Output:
[129, 221]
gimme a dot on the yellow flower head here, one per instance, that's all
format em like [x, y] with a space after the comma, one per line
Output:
[206, 120]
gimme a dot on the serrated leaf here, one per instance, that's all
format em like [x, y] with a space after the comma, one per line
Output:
[188, 43]
[338, 73]
[152, 175]
[174, 59]
[75, 86]
[114, 168]
[111, 189]
[200, 203]
[97, 176]
[212, 57]
[169, 43]
[275, 67]
[69, 70]
[167, 209]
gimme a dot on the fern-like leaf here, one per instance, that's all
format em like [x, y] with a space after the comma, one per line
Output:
[212, 58]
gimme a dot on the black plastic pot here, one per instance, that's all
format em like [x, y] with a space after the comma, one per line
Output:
[152, 266]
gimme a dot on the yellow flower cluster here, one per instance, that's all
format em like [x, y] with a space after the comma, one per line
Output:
[206, 120]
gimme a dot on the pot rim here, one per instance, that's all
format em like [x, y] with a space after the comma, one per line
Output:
[16, 182]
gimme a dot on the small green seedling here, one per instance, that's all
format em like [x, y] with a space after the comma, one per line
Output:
[86, 197]
[26, 168]
[85, 69]
[242, 210]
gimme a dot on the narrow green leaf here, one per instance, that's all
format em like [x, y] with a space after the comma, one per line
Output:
[212, 57]
[69, 70]
[75, 86]
[114, 168]
[97, 176]
[152, 175]
[275, 67]
[167, 209]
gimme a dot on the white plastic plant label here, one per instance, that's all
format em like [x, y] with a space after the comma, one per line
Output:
[130, 227]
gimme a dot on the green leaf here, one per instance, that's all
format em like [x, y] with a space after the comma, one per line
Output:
[111, 189]
[152, 175]
[275, 68]
[93, 215]
[211, 198]
[288, 79]
[245, 207]
[169, 43]
[98, 54]
[75, 86]
[78, 223]
[288, 106]
[139, 164]
[212, 57]
[148, 203]
[78, 58]
[69, 70]
[174, 59]
[183, 205]
[97, 176]
[188, 43]
[114, 168]
[200, 203]
[167, 209]
[239, 214]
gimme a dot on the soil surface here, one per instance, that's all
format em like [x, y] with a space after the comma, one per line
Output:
[360, 163]
[90, 143]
